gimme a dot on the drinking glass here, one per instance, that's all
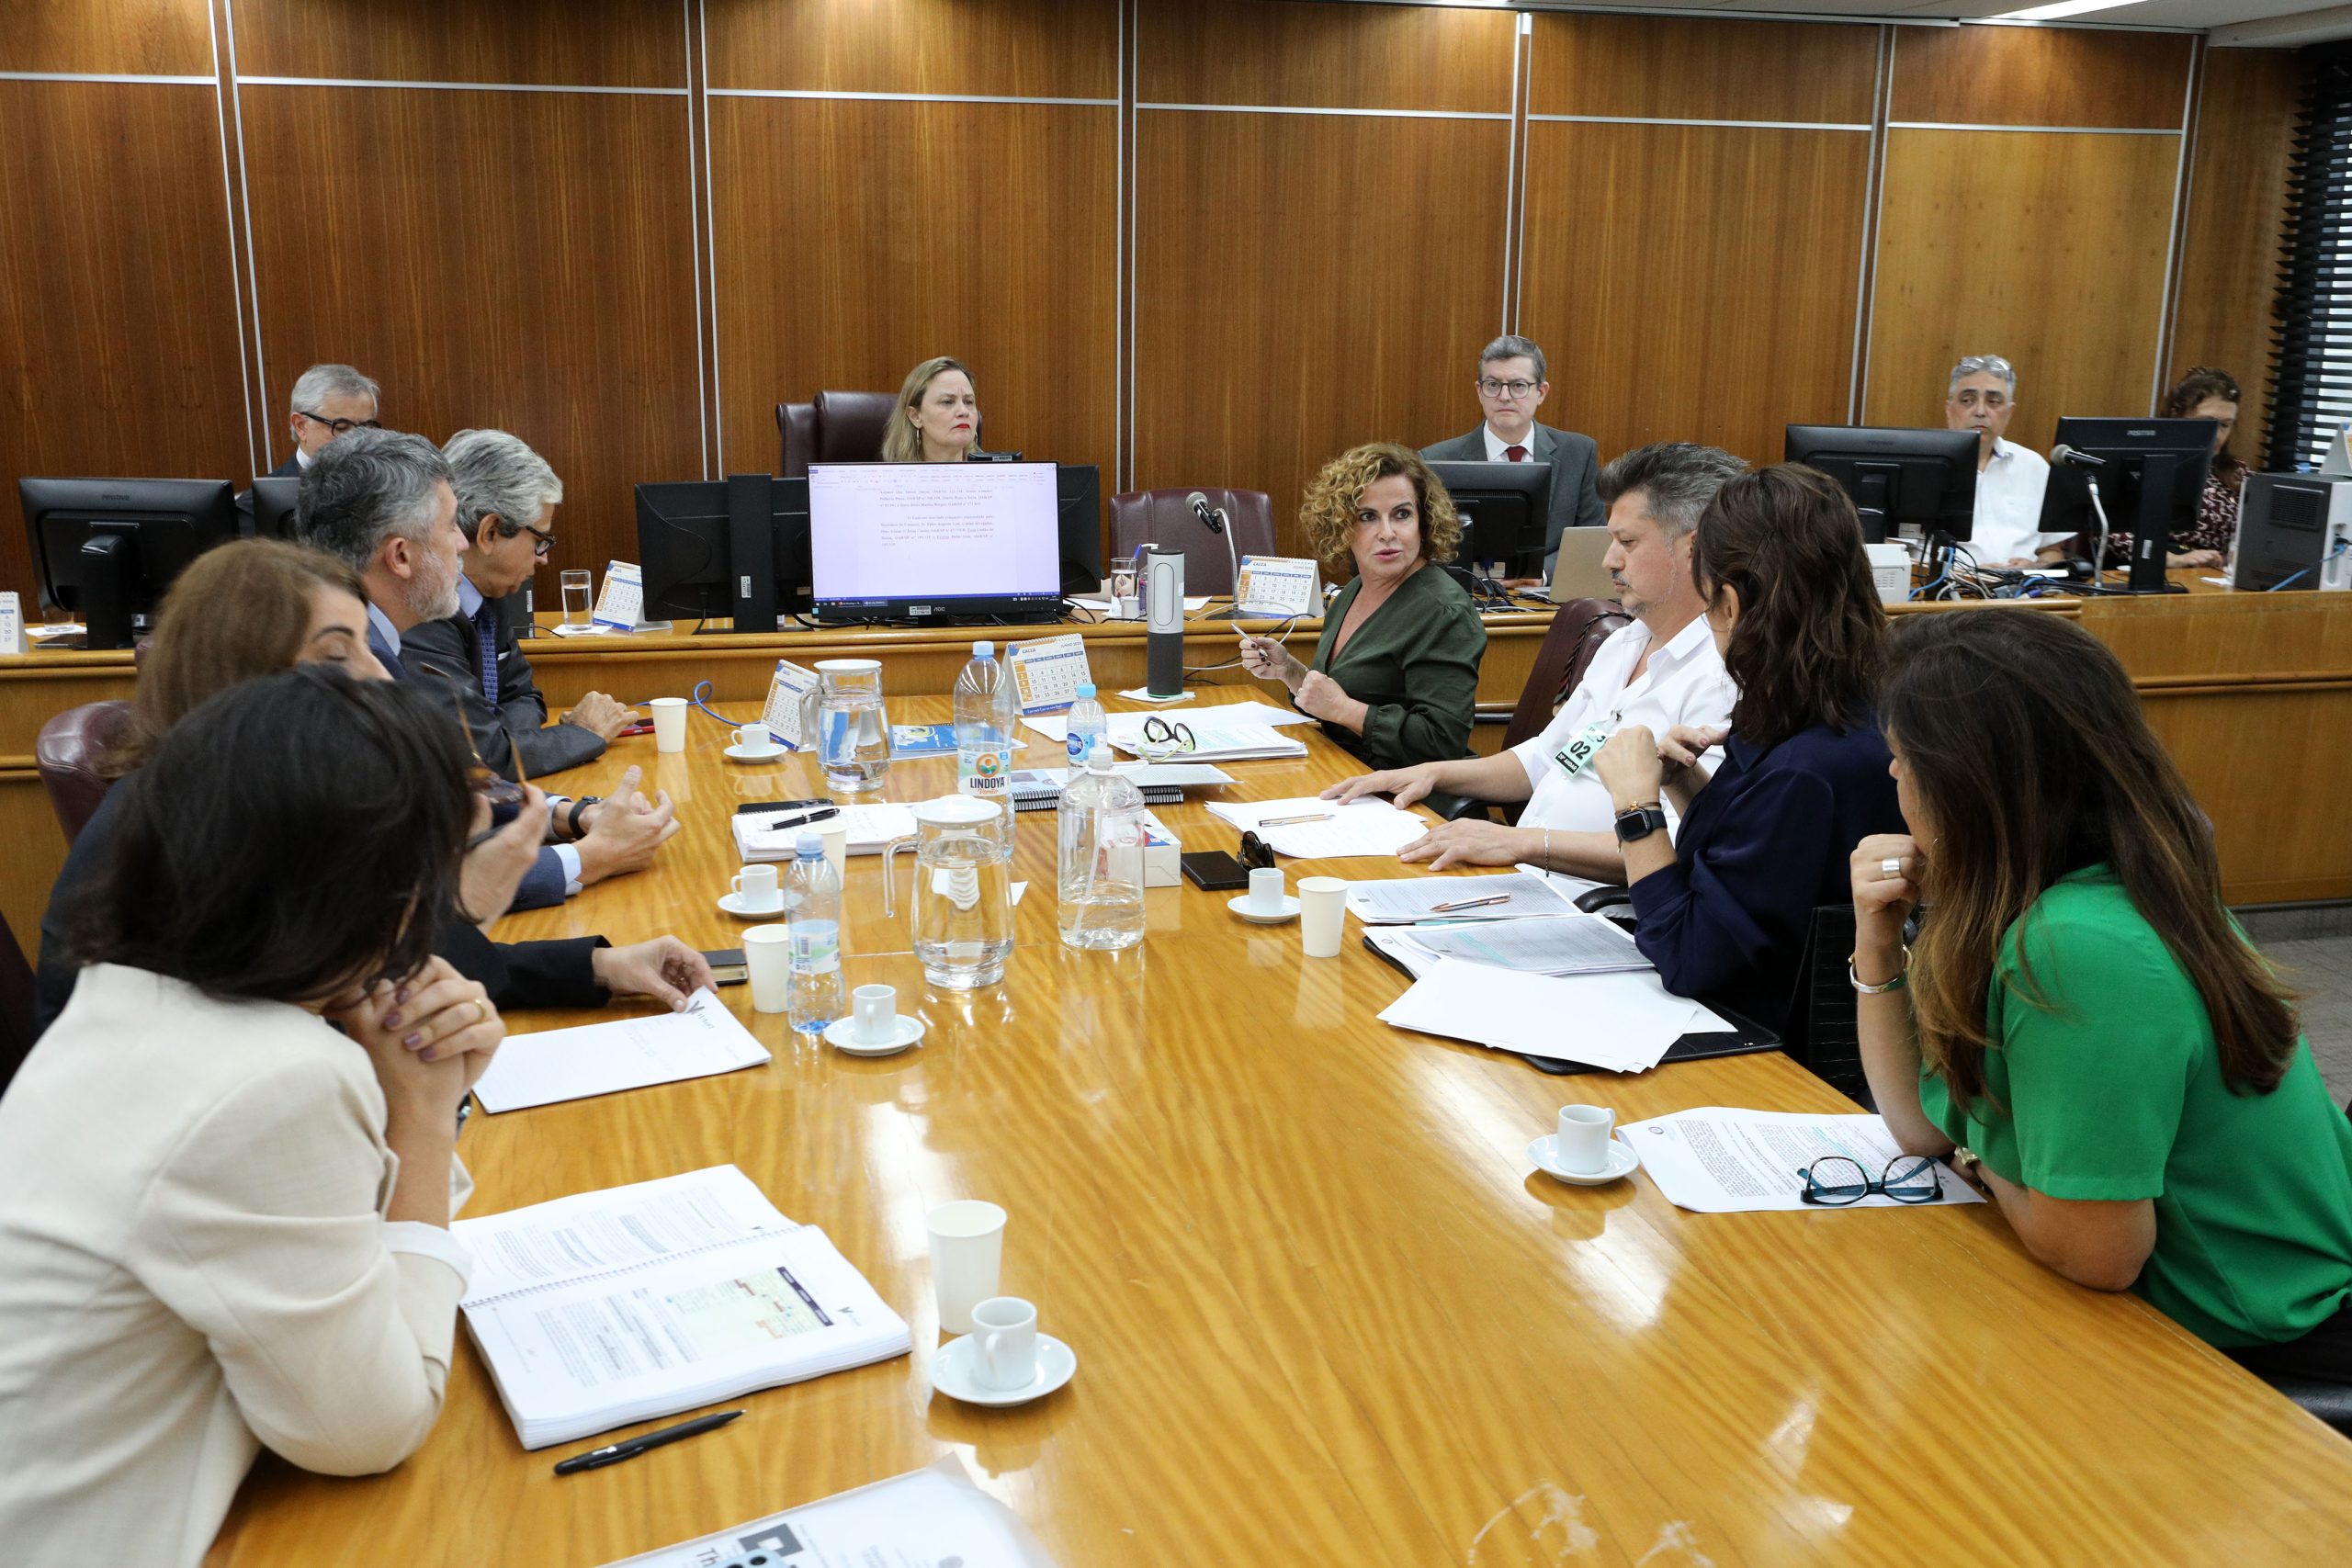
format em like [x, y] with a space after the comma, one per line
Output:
[576, 608]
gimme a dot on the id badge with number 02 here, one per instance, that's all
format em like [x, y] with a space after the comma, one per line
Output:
[1579, 754]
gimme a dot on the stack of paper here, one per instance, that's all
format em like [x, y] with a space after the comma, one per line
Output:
[1329, 830]
[932, 1516]
[1624, 1022]
[1718, 1160]
[1231, 733]
[1558, 945]
[871, 826]
[1162, 784]
[605, 1308]
[1403, 900]
[621, 1053]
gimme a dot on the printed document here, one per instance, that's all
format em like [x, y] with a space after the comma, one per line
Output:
[1404, 900]
[1717, 1160]
[1359, 827]
[1623, 1022]
[622, 1053]
[1560, 945]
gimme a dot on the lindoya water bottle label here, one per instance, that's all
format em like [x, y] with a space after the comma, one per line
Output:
[980, 770]
[815, 952]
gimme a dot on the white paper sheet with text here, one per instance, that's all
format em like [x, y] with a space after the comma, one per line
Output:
[591, 1232]
[1719, 1160]
[1623, 1022]
[1560, 945]
[624, 1053]
[1407, 900]
[1359, 827]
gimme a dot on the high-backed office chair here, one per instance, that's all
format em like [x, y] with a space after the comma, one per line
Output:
[16, 1005]
[67, 751]
[1578, 628]
[1165, 518]
[839, 427]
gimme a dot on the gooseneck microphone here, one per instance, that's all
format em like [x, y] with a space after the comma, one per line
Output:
[1212, 520]
[2068, 457]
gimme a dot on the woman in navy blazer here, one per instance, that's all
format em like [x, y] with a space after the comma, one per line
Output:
[1725, 911]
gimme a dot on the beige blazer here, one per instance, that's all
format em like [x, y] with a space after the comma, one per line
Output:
[194, 1262]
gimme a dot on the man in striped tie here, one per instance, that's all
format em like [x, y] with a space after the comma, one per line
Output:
[1511, 387]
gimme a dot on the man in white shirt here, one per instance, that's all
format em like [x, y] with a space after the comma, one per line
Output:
[1661, 671]
[1982, 396]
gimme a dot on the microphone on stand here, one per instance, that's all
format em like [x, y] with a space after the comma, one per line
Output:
[1214, 521]
[2068, 456]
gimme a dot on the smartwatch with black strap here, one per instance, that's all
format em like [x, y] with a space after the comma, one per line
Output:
[1639, 822]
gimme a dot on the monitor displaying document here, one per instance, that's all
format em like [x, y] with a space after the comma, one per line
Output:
[891, 540]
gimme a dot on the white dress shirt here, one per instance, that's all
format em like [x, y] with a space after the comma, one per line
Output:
[195, 1262]
[2008, 506]
[1499, 449]
[1685, 683]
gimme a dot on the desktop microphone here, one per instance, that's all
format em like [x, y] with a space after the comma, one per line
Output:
[1164, 618]
[1214, 521]
[2067, 455]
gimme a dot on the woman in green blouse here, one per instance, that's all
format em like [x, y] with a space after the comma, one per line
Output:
[2080, 1010]
[1396, 675]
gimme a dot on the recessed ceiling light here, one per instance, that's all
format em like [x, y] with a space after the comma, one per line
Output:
[2061, 8]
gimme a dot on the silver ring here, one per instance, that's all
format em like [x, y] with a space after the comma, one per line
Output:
[1888, 869]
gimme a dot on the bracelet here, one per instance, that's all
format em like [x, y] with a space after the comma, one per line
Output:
[572, 820]
[1902, 976]
[1547, 849]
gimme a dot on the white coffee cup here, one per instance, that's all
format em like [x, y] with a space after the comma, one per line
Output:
[754, 887]
[767, 957]
[753, 736]
[669, 723]
[1582, 1144]
[1005, 1343]
[1322, 910]
[1265, 889]
[874, 1010]
[834, 831]
[966, 1250]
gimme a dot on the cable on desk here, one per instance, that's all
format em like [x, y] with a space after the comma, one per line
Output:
[2312, 567]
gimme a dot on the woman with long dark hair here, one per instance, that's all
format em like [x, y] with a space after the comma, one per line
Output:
[1725, 910]
[2079, 1023]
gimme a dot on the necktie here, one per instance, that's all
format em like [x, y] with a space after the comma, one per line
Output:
[1515, 454]
[486, 629]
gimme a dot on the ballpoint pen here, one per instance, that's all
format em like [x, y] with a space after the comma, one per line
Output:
[1293, 821]
[629, 1448]
[1469, 903]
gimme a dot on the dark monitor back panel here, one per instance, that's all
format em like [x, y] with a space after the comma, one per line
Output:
[2125, 446]
[274, 507]
[1078, 491]
[1900, 482]
[1505, 508]
[681, 545]
[171, 521]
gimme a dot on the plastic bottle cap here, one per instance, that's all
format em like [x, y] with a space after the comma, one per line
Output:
[809, 844]
[1100, 756]
[984, 649]
[1085, 690]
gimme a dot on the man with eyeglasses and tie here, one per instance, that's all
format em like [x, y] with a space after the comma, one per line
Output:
[506, 500]
[329, 400]
[1511, 387]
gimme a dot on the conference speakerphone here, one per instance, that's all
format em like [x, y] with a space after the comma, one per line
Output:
[933, 541]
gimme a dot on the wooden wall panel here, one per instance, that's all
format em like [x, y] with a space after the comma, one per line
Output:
[1694, 68]
[854, 240]
[1295, 296]
[520, 260]
[2235, 226]
[1274, 51]
[1715, 302]
[141, 37]
[2040, 77]
[2047, 248]
[1031, 49]
[118, 351]
[613, 44]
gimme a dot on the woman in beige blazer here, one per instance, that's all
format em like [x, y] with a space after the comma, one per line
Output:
[226, 1171]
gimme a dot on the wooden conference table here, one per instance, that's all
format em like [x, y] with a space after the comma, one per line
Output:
[1324, 1309]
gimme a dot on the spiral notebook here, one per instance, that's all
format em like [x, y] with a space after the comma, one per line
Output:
[605, 1308]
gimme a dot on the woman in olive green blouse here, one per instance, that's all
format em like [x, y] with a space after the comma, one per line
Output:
[1396, 675]
[2080, 1010]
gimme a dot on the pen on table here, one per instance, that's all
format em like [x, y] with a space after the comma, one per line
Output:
[1293, 821]
[1469, 903]
[802, 819]
[629, 1448]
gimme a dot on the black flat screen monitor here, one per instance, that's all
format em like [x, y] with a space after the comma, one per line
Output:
[108, 549]
[1078, 488]
[2149, 475]
[1506, 509]
[934, 541]
[1914, 484]
[685, 551]
[273, 501]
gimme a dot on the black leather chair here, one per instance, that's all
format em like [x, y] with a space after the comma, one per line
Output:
[1165, 519]
[839, 427]
[1578, 628]
[67, 753]
[795, 429]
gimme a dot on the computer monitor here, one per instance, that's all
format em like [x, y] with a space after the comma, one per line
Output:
[900, 541]
[690, 533]
[1077, 488]
[2149, 476]
[109, 549]
[1915, 484]
[1505, 510]
[274, 506]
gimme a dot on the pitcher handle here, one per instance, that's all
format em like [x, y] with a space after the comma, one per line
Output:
[889, 855]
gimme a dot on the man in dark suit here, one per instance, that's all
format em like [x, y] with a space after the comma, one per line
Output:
[1511, 387]
[506, 500]
[328, 400]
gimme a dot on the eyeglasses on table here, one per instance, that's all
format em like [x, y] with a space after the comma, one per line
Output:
[1836, 1180]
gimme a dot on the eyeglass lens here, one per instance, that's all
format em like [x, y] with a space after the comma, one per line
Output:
[1495, 389]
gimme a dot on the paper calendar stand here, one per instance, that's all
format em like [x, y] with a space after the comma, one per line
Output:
[620, 607]
[1278, 587]
[1048, 673]
[785, 688]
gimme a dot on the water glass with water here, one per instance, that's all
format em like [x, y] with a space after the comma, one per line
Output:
[577, 608]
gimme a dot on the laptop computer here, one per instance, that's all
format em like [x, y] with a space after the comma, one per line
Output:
[1577, 571]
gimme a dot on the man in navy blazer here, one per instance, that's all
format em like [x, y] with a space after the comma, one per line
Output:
[1511, 387]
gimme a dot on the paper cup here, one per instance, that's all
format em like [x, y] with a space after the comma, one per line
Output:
[966, 1250]
[768, 956]
[669, 724]
[1322, 912]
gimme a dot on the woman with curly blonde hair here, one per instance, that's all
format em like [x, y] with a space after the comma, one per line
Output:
[1396, 675]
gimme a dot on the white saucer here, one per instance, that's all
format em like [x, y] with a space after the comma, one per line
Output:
[1623, 1162]
[951, 1374]
[733, 903]
[767, 753]
[839, 1035]
[1286, 910]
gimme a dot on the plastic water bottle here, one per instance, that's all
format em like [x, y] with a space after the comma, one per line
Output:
[1086, 726]
[812, 904]
[1101, 859]
[984, 720]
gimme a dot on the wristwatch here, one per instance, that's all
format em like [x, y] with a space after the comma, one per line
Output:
[1639, 822]
[572, 819]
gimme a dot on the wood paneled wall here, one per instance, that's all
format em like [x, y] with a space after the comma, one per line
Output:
[1215, 241]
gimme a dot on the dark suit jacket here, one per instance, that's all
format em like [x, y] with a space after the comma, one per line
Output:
[447, 652]
[1575, 460]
